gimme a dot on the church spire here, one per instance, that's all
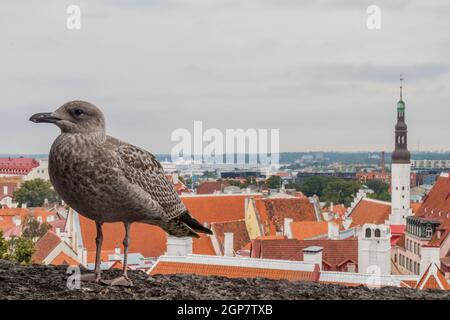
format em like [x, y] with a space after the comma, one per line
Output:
[401, 153]
[401, 87]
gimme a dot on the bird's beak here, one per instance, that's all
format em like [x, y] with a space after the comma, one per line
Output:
[49, 117]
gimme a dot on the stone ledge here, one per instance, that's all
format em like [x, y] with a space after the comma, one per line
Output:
[49, 282]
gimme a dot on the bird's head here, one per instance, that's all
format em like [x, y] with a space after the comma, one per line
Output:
[74, 117]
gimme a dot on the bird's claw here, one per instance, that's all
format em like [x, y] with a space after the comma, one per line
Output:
[90, 277]
[123, 281]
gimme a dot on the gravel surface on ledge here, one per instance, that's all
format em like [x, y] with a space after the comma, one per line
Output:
[50, 282]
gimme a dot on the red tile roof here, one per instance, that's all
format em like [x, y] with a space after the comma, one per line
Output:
[302, 230]
[340, 209]
[431, 280]
[166, 267]
[437, 200]
[203, 245]
[216, 208]
[17, 165]
[150, 240]
[237, 227]
[7, 214]
[436, 206]
[45, 245]
[335, 252]
[59, 223]
[209, 187]
[415, 206]
[65, 260]
[273, 211]
[370, 211]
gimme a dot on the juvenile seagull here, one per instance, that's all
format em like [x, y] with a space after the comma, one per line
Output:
[108, 180]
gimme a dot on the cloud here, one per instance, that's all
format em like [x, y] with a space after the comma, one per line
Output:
[309, 68]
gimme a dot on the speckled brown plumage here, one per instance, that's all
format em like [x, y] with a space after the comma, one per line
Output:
[108, 180]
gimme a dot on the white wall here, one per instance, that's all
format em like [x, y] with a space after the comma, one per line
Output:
[401, 188]
[374, 254]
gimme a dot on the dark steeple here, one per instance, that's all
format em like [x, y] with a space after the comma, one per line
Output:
[401, 153]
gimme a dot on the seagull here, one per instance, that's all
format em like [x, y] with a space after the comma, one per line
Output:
[108, 180]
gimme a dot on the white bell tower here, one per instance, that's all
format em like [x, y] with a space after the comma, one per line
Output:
[401, 169]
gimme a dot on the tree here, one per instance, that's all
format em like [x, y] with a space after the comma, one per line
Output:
[315, 185]
[17, 249]
[20, 249]
[380, 189]
[3, 246]
[330, 189]
[34, 192]
[340, 191]
[378, 186]
[274, 182]
[34, 230]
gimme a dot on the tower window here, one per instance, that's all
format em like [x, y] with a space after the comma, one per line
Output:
[377, 233]
[368, 233]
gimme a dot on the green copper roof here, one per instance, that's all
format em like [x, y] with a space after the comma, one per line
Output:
[400, 105]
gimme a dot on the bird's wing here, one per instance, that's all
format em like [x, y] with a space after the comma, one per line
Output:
[142, 169]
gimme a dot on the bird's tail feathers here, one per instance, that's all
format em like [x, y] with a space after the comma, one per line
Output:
[194, 224]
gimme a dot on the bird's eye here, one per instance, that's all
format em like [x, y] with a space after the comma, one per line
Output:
[78, 112]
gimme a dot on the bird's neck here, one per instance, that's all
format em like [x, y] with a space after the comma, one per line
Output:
[83, 139]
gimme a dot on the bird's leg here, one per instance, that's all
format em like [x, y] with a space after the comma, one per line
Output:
[96, 276]
[126, 241]
[123, 280]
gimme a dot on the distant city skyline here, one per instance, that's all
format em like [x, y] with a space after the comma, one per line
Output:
[311, 69]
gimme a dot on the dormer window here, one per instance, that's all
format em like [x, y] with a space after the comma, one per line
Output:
[429, 232]
[368, 233]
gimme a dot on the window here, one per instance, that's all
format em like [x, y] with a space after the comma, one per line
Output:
[351, 267]
[395, 258]
[368, 233]
[377, 233]
[429, 232]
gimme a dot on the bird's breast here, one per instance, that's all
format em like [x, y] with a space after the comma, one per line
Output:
[80, 175]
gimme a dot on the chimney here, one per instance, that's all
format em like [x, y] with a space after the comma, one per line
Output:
[313, 254]
[17, 221]
[178, 246]
[333, 230]
[429, 255]
[331, 207]
[228, 244]
[58, 232]
[174, 178]
[383, 163]
[288, 227]
[117, 250]
[24, 205]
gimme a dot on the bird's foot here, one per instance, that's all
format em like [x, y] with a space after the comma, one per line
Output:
[90, 277]
[123, 281]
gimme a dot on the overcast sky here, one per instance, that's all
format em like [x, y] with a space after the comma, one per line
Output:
[309, 68]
